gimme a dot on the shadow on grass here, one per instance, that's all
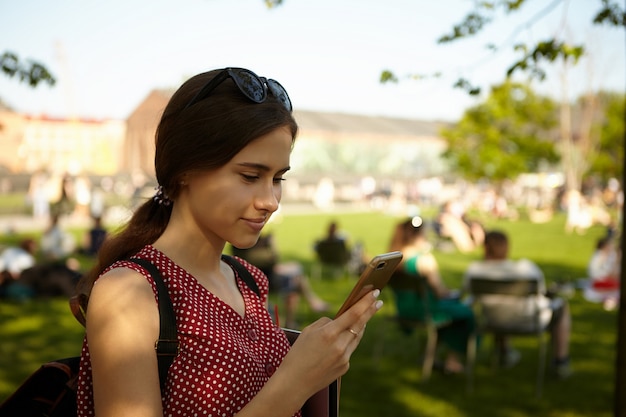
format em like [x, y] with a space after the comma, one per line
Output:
[33, 333]
[391, 379]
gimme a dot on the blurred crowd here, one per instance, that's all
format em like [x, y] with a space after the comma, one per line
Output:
[49, 266]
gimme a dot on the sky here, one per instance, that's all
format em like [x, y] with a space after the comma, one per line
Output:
[329, 54]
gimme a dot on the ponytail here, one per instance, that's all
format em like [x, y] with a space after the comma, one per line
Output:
[145, 226]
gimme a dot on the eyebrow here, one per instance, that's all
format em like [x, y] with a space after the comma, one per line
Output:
[262, 167]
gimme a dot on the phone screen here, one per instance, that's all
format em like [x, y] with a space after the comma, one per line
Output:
[376, 275]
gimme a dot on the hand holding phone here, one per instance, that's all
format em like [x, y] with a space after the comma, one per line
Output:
[376, 275]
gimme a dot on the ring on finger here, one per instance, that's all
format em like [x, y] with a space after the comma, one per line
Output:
[356, 334]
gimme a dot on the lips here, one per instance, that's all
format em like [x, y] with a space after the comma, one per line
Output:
[256, 224]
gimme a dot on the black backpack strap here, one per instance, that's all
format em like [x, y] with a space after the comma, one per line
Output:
[243, 273]
[167, 345]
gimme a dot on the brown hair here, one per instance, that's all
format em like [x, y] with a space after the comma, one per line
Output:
[204, 136]
[406, 232]
[496, 245]
[332, 230]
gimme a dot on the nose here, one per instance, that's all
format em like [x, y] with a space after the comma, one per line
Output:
[268, 198]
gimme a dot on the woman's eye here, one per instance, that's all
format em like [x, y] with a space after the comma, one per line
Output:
[256, 177]
[250, 177]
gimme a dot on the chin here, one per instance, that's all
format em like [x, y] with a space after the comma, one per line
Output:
[245, 243]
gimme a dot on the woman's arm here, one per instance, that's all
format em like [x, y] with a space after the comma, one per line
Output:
[428, 267]
[122, 326]
[320, 355]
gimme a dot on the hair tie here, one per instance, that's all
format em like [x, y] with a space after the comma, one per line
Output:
[161, 197]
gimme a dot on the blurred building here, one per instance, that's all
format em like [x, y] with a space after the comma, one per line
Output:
[356, 154]
[336, 144]
[31, 143]
[138, 154]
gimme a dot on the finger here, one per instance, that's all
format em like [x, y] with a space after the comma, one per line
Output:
[357, 333]
[321, 322]
[361, 312]
[353, 335]
[354, 332]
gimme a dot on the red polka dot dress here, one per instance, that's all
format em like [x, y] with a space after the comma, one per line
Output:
[225, 359]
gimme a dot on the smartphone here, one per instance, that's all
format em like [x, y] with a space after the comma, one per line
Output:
[376, 275]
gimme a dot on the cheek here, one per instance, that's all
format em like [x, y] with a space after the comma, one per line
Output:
[215, 196]
[238, 197]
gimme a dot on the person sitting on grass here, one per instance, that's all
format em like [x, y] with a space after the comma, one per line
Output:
[24, 277]
[14, 260]
[94, 238]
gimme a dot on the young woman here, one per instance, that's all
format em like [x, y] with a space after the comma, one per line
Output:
[222, 150]
[409, 237]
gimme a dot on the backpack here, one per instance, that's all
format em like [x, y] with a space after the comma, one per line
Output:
[51, 390]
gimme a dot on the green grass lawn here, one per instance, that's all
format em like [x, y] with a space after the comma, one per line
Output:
[384, 378]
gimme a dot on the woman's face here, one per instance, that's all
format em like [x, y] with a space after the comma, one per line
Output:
[233, 203]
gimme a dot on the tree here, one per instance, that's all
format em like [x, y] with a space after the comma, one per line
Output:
[512, 132]
[533, 56]
[531, 62]
[30, 71]
[577, 138]
[608, 155]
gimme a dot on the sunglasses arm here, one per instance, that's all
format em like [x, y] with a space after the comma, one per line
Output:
[210, 86]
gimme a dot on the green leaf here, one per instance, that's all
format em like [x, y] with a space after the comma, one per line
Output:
[30, 72]
[388, 76]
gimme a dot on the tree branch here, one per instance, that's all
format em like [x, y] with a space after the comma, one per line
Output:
[31, 72]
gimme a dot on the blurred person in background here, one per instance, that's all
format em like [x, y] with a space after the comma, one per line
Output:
[94, 238]
[554, 310]
[285, 278]
[14, 260]
[56, 244]
[409, 237]
[452, 222]
[604, 272]
[23, 277]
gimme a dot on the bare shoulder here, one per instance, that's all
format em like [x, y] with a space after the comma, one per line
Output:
[427, 262]
[122, 325]
[121, 291]
[120, 281]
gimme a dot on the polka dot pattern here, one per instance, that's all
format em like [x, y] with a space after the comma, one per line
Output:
[225, 359]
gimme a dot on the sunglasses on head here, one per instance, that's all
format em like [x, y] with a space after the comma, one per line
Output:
[250, 84]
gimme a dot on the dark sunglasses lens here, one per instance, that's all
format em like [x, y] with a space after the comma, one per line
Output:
[249, 84]
[280, 93]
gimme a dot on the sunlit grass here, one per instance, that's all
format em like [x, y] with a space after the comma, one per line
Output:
[385, 373]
